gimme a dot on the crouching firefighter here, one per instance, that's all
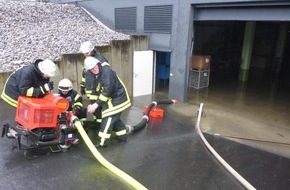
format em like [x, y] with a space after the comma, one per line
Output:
[75, 100]
[113, 99]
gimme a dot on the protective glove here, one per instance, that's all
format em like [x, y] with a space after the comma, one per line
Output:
[83, 91]
[48, 86]
[92, 107]
[76, 111]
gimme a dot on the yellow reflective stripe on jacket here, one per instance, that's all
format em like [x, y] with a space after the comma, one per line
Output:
[78, 104]
[110, 103]
[42, 90]
[116, 109]
[127, 94]
[76, 97]
[93, 97]
[88, 91]
[9, 100]
[103, 98]
[6, 98]
[29, 92]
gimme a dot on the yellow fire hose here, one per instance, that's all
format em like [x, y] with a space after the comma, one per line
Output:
[102, 160]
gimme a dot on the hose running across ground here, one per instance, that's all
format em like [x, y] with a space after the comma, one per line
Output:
[145, 118]
[130, 129]
[102, 160]
[243, 181]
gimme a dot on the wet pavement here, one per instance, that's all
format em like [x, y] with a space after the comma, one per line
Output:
[167, 154]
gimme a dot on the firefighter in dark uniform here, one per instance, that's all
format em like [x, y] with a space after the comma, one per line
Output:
[32, 81]
[88, 83]
[113, 99]
[65, 90]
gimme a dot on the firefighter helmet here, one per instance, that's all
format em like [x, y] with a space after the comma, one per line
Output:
[48, 67]
[65, 85]
[86, 47]
[90, 62]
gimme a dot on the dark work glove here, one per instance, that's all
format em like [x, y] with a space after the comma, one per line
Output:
[48, 86]
[76, 111]
[83, 91]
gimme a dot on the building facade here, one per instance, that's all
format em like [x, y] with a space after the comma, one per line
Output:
[237, 34]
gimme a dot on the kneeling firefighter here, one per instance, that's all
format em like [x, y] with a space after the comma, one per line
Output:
[113, 99]
[65, 89]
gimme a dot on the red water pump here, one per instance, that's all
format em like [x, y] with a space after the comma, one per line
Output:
[42, 122]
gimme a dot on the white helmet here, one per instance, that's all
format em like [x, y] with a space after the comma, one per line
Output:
[90, 62]
[65, 85]
[86, 47]
[48, 67]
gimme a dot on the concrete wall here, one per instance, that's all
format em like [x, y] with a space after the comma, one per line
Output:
[118, 53]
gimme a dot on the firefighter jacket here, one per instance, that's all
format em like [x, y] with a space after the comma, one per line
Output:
[87, 82]
[26, 81]
[75, 100]
[88, 79]
[113, 96]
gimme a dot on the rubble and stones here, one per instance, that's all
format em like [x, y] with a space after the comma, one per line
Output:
[33, 30]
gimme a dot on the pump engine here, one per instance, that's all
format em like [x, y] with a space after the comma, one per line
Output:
[42, 122]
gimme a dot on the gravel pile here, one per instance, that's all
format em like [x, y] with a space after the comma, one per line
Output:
[32, 30]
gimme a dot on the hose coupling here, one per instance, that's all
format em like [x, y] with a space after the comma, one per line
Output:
[73, 119]
[129, 129]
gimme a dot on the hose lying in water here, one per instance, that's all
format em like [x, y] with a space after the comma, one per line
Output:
[101, 159]
[130, 129]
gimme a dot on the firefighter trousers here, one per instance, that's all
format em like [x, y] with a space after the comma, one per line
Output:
[109, 124]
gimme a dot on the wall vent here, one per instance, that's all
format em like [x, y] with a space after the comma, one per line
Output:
[125, 19]
[158, 19]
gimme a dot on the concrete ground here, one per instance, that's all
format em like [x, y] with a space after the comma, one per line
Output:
[167, 154]
[249, 129]
[252, 134]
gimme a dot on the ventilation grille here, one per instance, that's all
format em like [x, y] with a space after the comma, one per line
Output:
[158, 19]
[125, 19]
